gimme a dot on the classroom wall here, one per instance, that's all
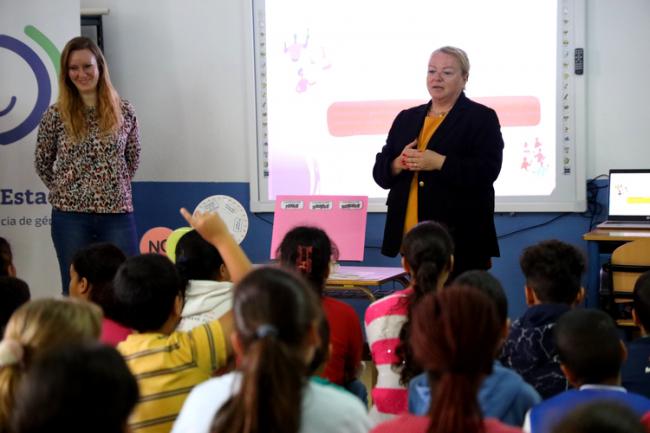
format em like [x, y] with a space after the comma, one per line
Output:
[187, 67]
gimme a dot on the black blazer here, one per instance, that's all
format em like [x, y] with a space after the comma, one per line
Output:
[461, 194]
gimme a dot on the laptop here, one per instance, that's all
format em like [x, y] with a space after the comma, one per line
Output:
[629, 200]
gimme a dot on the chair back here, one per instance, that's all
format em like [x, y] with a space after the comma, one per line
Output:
[628, 262]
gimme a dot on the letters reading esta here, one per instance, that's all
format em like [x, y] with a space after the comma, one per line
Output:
[10, 197]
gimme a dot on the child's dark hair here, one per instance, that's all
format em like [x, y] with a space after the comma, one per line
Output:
[488, 284]
[146, 288]
[641, 298]
[309, 250]
[77, 387]
[196, 258]
[588, 345]
[600, 417]
[275, 311]
[455, 333]
[14, 292]
[428, 250]
[6, 257]
[553, 270]
[98, 263]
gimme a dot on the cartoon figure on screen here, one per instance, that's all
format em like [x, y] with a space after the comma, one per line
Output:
[295, 49]
[440, 162]
[303, 83]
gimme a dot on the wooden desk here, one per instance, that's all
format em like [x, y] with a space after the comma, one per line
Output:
[363, 278]
[600, 241]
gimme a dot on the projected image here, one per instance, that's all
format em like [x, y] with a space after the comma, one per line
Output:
[337, 73]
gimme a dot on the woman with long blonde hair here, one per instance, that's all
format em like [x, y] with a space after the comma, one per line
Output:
[87, 152]
[34, 329]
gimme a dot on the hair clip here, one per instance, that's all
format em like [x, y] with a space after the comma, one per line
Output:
[11, 352]
[304, 259]
[266, 330]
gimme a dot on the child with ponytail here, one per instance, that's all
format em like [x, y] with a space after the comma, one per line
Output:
[276, 334]
[427, 255]
[454, 336]
[34, 329]
[310, 251]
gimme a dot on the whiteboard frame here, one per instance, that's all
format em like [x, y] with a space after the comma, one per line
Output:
[577, 123]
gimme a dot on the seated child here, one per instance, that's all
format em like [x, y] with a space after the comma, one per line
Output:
[208, 289]
[635, 370]
[455, 333]
[7, 268]
[76, 388]
[169, 363]
[552, 270]
[276, 320]
[427, 252]
[503, 395]
[91, 278]
[14, 292]
[591, 354]
[33, 330]
[310, 251]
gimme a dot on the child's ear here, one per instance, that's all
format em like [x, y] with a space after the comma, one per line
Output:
[178, 305]
[623, 350]
[579, 297]
[531, 298]
[237, 346]
[84, 286]
[224, 275]
[570, 377]
[506, 329]
[635, 318]
[406, 266]
[313, 336]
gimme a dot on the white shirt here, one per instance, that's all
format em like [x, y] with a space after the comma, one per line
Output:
[325, 409]
[205, 301]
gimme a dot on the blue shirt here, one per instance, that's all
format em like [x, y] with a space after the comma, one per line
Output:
[503, 395]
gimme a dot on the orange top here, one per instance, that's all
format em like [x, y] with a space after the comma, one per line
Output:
[431, 123]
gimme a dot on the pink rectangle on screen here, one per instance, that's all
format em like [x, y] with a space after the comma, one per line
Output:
[342, 217]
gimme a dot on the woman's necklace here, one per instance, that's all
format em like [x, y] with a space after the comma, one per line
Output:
[435, 113]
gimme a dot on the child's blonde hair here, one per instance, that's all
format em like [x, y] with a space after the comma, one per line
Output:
[35, 328]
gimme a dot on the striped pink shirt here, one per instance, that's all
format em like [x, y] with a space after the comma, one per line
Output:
[384, 319]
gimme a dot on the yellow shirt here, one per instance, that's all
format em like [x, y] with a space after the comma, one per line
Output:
[431, 123]
[167, 367]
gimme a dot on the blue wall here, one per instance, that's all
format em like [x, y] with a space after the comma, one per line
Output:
[157, 204]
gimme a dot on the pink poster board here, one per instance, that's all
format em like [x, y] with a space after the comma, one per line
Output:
[343, 217]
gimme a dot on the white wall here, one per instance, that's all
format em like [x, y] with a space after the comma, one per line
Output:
[618, 88]
[187, 66]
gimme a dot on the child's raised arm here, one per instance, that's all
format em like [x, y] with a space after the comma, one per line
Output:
[212, 228]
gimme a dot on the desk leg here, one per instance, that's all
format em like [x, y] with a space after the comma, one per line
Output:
[593, 274]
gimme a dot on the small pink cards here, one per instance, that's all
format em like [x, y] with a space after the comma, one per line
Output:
[342, 217]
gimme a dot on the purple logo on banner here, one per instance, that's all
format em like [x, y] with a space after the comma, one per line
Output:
[37, 66]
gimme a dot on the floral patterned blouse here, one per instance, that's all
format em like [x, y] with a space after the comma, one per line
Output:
[94, 175]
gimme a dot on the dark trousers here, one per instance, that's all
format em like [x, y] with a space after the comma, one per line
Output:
[72, 231]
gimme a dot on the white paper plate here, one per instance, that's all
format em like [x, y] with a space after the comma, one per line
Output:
[230, 210]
